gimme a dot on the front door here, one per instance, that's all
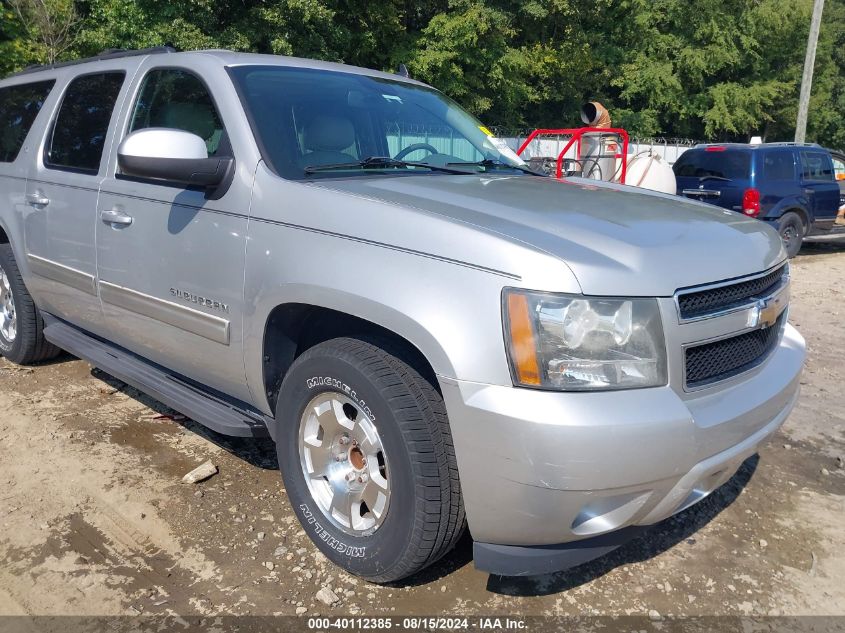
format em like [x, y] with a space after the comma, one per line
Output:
[61, 200]
[170, 259]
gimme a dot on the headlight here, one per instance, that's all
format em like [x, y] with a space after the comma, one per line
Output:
[576, 343]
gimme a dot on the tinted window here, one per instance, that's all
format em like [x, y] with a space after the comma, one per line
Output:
[178, 99]
[19, 105]
[778, 166]
[816, 166]
[721, 164]
[79, 131]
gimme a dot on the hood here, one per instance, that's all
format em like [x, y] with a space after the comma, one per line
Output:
[617, 240]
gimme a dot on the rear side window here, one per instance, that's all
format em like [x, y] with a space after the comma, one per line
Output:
[177, 99]
[720, 164]
[778, 166]
[79, 131]
[19, 105]
[816, 166]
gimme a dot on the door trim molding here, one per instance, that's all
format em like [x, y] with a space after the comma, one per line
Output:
[206, 325]
[61, 273]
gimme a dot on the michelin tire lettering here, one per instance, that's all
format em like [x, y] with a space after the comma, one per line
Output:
[328, 539]
[328, 381]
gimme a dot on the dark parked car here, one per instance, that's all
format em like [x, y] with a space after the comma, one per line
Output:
[790, 185]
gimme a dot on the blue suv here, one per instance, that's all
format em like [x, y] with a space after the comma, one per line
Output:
[790, 185]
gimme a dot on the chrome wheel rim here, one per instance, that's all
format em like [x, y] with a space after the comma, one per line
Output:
[8, 316]
[344, 463]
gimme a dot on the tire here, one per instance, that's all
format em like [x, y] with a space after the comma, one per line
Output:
[791, 229]
[397, 420]
[21, 326]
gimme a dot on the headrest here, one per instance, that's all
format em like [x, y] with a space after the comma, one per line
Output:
[328, 133]
[197, 118]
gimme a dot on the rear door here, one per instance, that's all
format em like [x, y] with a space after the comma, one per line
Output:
[61, 193]
[715, 174]
[819, 186]
[776, 177]
[20, 105]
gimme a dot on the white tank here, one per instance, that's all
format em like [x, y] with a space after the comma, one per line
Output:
[650, 171]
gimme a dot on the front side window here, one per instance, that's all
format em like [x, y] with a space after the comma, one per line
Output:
[19, 105]
[80, 128]
[177, 99]
[311, 123]
[816, 166]
[839, 168]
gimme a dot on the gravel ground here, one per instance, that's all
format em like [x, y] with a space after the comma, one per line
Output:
[95, 519]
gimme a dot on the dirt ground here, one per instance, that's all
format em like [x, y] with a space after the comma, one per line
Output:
[95, 520]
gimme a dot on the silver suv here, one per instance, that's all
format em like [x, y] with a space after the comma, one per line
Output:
[433, 335]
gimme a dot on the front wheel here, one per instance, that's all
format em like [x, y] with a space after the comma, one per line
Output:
[367, 459]
[791, 230]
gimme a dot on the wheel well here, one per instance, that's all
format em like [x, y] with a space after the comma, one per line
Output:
[801, 213]
[293, 328]
[4, 239]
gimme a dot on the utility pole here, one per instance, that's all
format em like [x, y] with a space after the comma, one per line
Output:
[807, 77]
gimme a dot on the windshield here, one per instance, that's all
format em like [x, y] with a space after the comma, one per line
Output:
[313, 123]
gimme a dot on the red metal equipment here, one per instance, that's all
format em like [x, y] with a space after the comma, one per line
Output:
[576, 134]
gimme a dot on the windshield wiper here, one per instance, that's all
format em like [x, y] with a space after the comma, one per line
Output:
[378, 162]
[489, 163]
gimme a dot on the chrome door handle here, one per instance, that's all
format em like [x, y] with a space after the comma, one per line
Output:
[37, 199]
[115, 216]
[809, 191]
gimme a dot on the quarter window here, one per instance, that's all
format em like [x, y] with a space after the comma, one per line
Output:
[816, 166]
[79, 131]
[19, 105]
[177, 99]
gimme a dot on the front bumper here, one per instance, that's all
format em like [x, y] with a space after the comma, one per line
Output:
[544, 468]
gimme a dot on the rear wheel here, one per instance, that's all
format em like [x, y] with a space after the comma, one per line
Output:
[367, 459]
[791, 230]
[21, 326]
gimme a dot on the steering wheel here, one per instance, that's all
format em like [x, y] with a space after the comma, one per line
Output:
[412, 148]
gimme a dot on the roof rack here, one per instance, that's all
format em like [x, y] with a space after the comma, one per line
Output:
[774, 144]
[794, 143]
[109, 53]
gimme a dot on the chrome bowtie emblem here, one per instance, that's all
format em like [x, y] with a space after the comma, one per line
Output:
[754, 315]
[765, 312]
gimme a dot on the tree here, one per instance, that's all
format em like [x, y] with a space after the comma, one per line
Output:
[51, 24]
[710, 70]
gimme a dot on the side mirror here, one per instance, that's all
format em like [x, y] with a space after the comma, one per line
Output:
[173, 156]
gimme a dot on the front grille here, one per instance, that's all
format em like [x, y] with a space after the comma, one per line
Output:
[695, 304]
[728, 357]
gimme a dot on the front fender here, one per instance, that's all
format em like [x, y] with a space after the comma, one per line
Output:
[450, 313]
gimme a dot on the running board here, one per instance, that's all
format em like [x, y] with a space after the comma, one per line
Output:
[215, 412]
